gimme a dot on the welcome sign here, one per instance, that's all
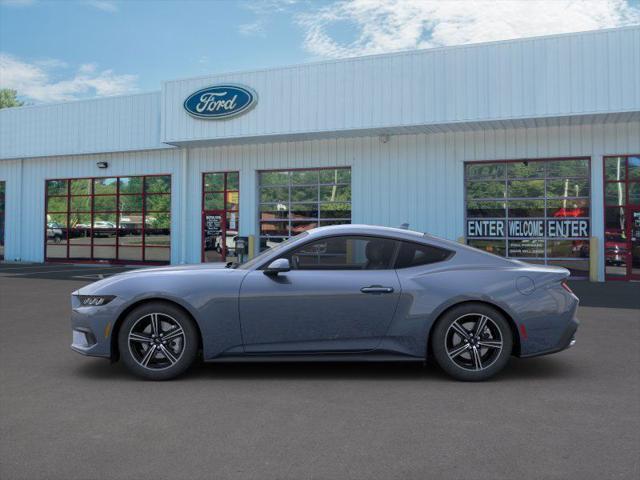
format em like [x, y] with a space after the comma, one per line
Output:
[219, 102]
[524, 228]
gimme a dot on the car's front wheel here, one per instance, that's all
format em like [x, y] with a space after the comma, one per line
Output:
[158, 341]
[472, 342]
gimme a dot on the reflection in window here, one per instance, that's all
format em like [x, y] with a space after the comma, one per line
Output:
[526, 208]
[614, 193]
[298, 200]
[487, 209]
[523, 196]
[621, 198]
[526, 169]
[2, 214]
[615, 168]
[497, 247]
[109, 219]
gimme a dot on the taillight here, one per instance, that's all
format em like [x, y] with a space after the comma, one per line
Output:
[565, 285]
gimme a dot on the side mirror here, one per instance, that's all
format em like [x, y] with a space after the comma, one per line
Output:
[278, 266]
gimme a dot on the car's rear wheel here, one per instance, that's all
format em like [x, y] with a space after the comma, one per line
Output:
[158, 341]
[472, 342]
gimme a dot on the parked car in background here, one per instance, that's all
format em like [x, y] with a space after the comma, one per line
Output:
[615, 250]
[54, 232]
[104, 229]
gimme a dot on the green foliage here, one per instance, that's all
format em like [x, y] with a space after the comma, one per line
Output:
[8, 98]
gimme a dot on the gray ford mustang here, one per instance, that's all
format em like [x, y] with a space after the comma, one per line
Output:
[349, 292]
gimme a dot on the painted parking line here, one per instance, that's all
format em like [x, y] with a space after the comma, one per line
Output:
[41, 266]
[96, 276]
[39, 272]
[27, 267]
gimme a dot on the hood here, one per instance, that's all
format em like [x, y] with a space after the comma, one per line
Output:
[108, 284]
[176, 268]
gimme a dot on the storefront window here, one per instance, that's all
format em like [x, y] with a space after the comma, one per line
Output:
[298, 200]
[2, 210]
[622, 217]
[116, 219]
[536, 210]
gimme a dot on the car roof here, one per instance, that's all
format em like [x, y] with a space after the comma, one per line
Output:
[398, 233]
[364, 230]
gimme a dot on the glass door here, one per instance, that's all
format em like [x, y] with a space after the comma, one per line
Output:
[634, 247]
[214, 232]
[220, 221]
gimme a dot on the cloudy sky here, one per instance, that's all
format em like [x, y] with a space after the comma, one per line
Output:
[53, 51]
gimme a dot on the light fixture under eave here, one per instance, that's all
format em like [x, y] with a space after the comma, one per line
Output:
[102, 164]
[384, 138]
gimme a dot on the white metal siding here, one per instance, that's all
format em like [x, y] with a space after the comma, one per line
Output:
[90, 126]
[11, 174]
[25, 202]
[414, 178]
[547, 77]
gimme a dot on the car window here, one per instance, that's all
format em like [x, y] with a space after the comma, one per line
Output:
[344, 253]
[415, 254]
[261, 256]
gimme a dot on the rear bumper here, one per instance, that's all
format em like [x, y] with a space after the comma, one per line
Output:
[567, 340]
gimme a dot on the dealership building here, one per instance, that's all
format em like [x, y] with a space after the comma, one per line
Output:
[528, 148]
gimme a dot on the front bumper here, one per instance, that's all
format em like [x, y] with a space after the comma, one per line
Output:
[92, 327]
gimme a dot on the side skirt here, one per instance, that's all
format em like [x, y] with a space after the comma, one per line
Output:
[316, 357]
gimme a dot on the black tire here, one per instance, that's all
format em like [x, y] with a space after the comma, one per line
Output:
[490, 348]
[167, 358]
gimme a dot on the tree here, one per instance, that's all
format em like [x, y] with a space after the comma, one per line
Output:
[8, 98]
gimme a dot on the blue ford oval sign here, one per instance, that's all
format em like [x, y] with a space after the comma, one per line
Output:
[220, 101]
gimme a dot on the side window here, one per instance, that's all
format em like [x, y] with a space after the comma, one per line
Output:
[344, 253]
[414, 254]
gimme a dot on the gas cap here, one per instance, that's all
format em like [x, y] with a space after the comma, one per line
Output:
[525, 285]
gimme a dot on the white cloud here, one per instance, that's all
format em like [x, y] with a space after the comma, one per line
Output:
[51, 63]
[87, 68]
[36, 81]
[389, 25]
[269, 6]
[252, 29]
[104, 5]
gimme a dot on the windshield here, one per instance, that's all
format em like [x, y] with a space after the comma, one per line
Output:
[260, 258]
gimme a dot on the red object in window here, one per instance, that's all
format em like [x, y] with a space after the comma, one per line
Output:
[570, 212]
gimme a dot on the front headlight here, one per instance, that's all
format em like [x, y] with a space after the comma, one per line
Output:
[94, 300]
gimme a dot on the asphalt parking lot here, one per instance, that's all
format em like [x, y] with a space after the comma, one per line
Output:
[62, 416]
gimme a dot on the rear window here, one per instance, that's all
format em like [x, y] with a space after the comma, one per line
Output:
[415, 254]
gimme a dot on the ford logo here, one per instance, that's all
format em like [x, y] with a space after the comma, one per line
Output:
[220, 101]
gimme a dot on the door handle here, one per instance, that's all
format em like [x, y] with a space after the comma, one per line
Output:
[376, 289]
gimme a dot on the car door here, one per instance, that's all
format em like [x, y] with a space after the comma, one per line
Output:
[339, 296]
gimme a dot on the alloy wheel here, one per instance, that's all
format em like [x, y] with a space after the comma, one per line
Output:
[156, 341]
[473, 341]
